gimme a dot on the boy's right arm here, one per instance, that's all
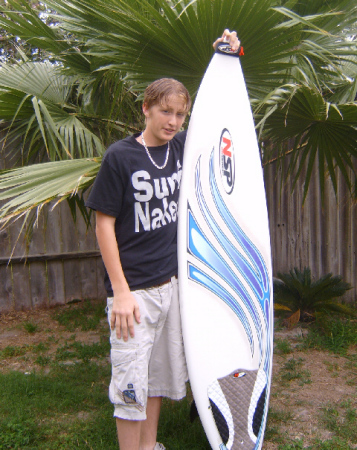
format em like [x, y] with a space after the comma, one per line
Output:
[125, 307]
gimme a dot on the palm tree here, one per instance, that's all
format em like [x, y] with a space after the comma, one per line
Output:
[300, 67]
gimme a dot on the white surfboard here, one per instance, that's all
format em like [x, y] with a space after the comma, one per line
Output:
[225, 274]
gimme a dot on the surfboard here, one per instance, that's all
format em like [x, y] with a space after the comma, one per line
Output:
[224, 256]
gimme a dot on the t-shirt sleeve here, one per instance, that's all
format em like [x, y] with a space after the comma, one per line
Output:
[108, 189]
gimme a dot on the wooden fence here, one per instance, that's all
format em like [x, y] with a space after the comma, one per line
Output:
[63, 261]
[62, 264]
[318, 234]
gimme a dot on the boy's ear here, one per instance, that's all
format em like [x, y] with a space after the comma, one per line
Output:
[145, 109]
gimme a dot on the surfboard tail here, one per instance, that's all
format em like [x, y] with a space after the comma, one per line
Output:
[239, 405]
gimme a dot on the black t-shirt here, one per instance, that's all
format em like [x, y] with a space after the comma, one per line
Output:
[144, 201]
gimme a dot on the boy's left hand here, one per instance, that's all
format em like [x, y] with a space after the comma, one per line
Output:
[230, 37]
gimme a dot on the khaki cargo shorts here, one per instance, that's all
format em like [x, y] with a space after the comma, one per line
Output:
[152, 364]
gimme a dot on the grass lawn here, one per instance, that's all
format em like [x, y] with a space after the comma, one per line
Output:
[68, 408]
[54, 376]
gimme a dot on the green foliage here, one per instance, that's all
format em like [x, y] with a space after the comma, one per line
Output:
[70, 409]
[40, 347]
[86, 316]
[298, 291]
[292, 370]
[10, 351]
[333, 334]
[316, 125]
[175, 429]
[85, 352]
[31, 327]
[332, 444]
[66, 405]
[13, 48]
[52, 177]
[292, 446]
[275, 419]
[16, 435]
[341, 420]
[300, 71]
[66, 389]
[43, 360]
[282, 346]
[16, 351]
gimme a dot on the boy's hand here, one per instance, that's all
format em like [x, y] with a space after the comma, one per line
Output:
[125, 308]
[230, 37]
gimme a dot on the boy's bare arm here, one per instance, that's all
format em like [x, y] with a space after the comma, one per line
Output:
[125, 307]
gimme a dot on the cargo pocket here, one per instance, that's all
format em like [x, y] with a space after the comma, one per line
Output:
[109, 308]
[124, 388]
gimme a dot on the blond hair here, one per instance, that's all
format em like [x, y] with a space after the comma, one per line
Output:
[160, 91]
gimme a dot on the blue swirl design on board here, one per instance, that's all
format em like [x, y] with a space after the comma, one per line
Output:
[256, 271]
[245, 258]
[251, 267]
[209, 283]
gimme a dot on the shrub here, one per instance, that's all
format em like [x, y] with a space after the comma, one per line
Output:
[298, 293]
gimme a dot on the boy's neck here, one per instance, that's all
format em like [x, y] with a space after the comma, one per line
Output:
[150, 141]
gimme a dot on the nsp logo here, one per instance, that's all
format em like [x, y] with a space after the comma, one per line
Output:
[226, 158]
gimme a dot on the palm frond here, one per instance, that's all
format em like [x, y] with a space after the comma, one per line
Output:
[325, 135]
[19, 19]
[297, 290]
[41, 79]
[335, 307]
[29, 26]
[299, 69]
[30, 187]
[158, 39]
[43, 94]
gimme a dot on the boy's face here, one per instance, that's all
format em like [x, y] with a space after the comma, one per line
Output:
[163, 121]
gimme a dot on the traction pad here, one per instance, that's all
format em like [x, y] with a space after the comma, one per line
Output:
[238, 404]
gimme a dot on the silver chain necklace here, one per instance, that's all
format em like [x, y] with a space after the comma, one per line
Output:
[148, 153]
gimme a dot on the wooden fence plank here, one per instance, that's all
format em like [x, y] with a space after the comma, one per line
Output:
[88, 270]
[37, 270]
[53, 244]
[53, 229]
[56, 291]
[315, 223]
[88, 267]
[21, 287]
[20, 272]
[6, 289]
[72, 272]
[38, 285]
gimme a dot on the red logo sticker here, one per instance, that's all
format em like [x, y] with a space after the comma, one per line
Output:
[239, 374]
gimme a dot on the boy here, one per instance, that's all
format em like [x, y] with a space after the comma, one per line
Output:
[135, 197]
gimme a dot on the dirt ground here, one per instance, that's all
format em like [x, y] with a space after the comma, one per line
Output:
[315, 381]
[328, 381]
